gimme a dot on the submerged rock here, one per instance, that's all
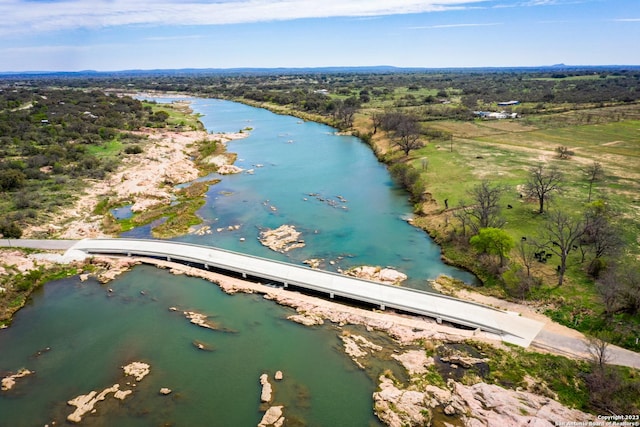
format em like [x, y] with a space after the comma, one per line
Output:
[201, 320]
[357, 346]
[202, 346]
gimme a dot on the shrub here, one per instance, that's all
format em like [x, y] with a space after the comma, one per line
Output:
[10, 230]
[133, 149]
[11, 179]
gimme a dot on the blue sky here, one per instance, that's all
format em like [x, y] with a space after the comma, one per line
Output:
[106, 35]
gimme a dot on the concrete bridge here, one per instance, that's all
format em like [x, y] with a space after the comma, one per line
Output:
[509, 326]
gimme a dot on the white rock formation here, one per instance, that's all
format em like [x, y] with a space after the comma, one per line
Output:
[281, 239]
[86, 403]
[273, 417]
[476, 405]
[388, 276]
[139, 370]
[265, 395]
[10, 381]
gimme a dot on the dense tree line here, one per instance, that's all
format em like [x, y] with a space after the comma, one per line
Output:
[317, 91]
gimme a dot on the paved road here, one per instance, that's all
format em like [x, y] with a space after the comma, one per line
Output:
[573, 347]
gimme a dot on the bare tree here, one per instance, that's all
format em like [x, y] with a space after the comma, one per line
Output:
[526, 254]
[564, 152]
[461, 213]
[598, 349]
[376, 118]
[610, 289]
[600, 235]
[543, 182]
[561, 234]
[407, 133]
[594, 173]
[486, 208]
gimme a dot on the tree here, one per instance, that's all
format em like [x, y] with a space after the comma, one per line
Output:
[526, 254]
[493, 241]
[542, 183]
[407, 133]
[486, 208]
[610, 289]
[564, 152]
[600, 235]
[376, 118]
[598, 348]
[594, 174]
[518, 283]
[561, 234]
[461, 213]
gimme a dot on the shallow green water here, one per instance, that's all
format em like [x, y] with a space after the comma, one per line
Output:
[92, 333]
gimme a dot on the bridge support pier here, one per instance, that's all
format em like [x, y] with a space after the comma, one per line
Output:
[439, 320]
[206, 266]
[286, 285]
[244, 275]
[331, 295]
[168, 259]
[382, 307]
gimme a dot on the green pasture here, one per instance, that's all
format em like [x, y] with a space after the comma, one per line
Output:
[107, 149]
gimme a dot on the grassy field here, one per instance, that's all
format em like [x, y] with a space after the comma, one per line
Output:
[502, 152]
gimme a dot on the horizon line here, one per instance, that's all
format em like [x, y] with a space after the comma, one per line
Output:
[321, 67]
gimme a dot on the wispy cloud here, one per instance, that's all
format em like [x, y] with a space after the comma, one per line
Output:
[30, 16]
[491, 24]
[535, 3]
[627, 20]
[168, 38]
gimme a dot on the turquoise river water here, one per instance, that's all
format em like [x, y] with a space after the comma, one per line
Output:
[333, 190]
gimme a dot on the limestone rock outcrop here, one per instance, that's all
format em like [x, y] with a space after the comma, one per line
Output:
[272, 418]
[388, 276]
[9, 381]
[281, 239]
[266, 393]
[138, 370]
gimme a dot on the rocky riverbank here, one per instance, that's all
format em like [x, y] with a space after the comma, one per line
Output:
[146, 180]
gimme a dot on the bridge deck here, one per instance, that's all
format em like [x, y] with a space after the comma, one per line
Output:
[510, 326]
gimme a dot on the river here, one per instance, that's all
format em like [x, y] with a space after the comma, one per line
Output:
[332, 189]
